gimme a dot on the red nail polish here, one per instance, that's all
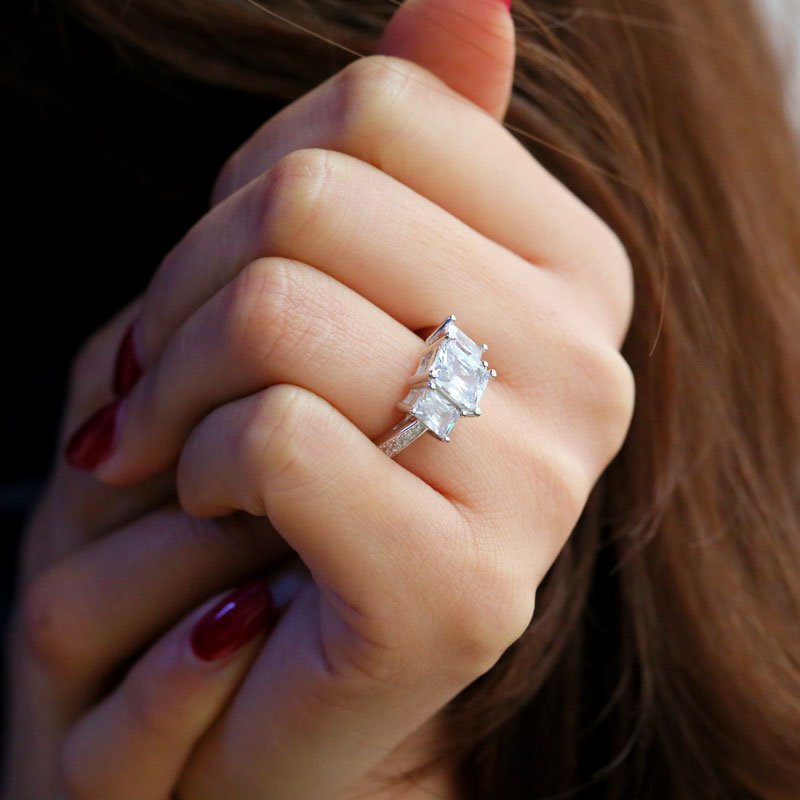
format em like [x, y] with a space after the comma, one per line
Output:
[127, 369]
[92, 442]
[233, 622]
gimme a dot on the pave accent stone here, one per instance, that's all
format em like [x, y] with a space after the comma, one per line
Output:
[406, 434]
[430, 408]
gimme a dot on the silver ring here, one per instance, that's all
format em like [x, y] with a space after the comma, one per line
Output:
[449, 383]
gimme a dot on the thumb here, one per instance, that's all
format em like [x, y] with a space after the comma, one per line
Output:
[469, 44]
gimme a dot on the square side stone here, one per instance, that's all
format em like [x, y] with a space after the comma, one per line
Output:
[411, 398]
[433, 410]
[424, 366]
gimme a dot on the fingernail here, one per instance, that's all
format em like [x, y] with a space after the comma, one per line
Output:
[127, 368]
[92, 442]
[233, 622]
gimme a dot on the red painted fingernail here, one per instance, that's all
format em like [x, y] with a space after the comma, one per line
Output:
[233, 622]
[127, 368]
[92, 442]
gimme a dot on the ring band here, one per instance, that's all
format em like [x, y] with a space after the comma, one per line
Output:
[449, 382]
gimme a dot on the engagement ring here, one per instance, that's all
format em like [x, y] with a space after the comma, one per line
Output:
[449, 383]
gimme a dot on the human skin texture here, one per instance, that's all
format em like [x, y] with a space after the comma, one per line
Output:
[270, 348]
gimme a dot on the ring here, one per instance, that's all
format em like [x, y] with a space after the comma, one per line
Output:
[449, 383]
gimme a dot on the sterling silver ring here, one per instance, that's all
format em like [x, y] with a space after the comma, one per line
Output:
[449, 383]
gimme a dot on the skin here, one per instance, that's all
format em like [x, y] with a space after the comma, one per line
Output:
[276, 338]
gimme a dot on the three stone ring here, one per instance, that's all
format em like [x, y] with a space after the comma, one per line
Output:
[448, 383]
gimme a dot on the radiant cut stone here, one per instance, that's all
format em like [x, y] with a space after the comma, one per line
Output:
[432, 409]
[459, 370]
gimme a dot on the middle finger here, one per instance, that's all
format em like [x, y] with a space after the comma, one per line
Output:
[345, 217]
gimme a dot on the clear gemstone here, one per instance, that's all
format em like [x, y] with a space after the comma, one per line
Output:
[467, 345]
[424, 366]
[429, 407]
[411, 397]
[460, 372]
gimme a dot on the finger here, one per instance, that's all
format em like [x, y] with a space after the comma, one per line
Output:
[388, 632]
[279, 321]
[346, 218]
[468, 45]
[93, 367]
[400, 118]
[167, 701]
[93, 610]
[367, 230]
[75, 508]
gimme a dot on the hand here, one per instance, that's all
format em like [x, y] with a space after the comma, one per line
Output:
[276, 339]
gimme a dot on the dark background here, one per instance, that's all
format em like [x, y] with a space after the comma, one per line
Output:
[105, 162]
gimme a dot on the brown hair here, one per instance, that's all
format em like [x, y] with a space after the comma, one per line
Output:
[664, 658]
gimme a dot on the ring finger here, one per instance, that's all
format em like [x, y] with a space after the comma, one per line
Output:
[279, 321]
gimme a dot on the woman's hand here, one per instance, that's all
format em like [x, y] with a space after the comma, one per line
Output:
[276, 339]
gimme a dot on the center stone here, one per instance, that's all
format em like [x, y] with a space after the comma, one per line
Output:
[457, 367]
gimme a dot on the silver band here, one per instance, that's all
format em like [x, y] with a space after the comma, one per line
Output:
[450, 380]
[406, 432]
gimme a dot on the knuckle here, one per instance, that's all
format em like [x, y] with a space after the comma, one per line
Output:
[276, 311]
[599, 370]
[258, 310]
[277, 440]
[363, 661]
[609, 384]
[292, 198]
[621, 400]
[562, 487]
[488, 609]
[613, 271]
[303, 428]
[49, 621]
[610, 247]
[557, 481]
[372, 97]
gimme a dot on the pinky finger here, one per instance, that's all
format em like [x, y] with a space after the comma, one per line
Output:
[170, 697]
